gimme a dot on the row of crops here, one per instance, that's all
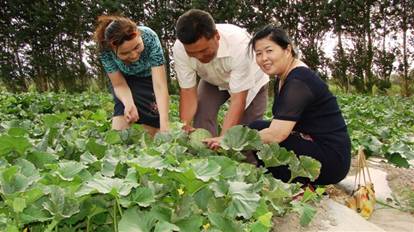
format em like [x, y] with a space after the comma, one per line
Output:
[63, 169]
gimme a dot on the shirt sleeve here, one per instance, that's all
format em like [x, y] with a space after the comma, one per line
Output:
[108, 62]
[294, 97]
[186, 75]
[153, 43]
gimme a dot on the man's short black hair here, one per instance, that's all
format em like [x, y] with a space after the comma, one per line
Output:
[194, 24]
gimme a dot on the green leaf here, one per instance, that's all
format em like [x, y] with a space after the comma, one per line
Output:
[19, 204]
[398, 160]
[259, 227]
[305, 211]
[60, 205]
[114, 186]
[273, 155]
[34, 213]
[12, 181]
[163, 226]
[113, 137]
[149, 161]
[205, 169]
[143, 196]
[220, 188]
[134, 220]
[239, 138]
[223, 223]
[109, 165]
[39, 159]
[243, 200]
[228, 166]
[17, 132]
[161, 213]
[202, 197]
[95, 148]
[190, 224]
[52, 120]
[10, 143]
[311, 166]
[69, 169]
[188, 180]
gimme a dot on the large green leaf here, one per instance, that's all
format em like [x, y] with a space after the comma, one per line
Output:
[223, 223]
[239, 138]
[305, 166]
[109, 165]
[228, 166]
[10, 143]
[188, 180]
[273, 155]
[244, 200]
[95, 148]
[114, 186]
[190, 224]
[18, 178]
[60, 205]
[205, 169]
[149, 161]
[305, 211]
[163, 226]
[134, 220]
[39, 159]
[141, 196]
[69, 169]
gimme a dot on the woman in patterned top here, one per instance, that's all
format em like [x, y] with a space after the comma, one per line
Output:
[133, 59]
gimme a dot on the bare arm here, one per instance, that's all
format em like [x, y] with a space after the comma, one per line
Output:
[277, 132]
[159, 79]
[235, 112]
[123, 93]
[188, 105]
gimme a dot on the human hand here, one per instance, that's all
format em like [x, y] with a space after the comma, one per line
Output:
[213, 143]
[187, 128]
[131, 113]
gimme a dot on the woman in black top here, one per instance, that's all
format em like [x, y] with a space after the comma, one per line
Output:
[306, 116]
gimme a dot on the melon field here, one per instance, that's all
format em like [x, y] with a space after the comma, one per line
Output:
[62, 168]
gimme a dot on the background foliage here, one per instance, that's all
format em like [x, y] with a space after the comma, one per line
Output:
[47, 44]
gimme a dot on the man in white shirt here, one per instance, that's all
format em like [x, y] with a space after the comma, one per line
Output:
[219, 55]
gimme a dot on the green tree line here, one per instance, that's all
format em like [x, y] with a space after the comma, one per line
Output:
[48, 45]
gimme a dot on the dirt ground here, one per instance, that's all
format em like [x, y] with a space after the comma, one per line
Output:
[391, 212]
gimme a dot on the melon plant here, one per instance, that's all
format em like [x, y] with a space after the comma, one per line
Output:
[197, 137]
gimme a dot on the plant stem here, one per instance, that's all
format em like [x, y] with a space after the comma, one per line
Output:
[87, 224]
[119, 206]
[52, 225]
[114, 215]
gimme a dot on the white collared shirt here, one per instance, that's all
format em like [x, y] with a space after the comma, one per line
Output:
[233, 69]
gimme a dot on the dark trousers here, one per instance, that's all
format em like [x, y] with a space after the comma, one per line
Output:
[210, 98]
[334, 165]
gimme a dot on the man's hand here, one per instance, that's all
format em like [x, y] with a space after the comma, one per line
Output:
[213, 143]
[131, 113]
[187, 128]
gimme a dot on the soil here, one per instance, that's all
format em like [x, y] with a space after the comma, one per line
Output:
[390, 214]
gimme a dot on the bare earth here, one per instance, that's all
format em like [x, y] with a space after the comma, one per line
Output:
[390, 183]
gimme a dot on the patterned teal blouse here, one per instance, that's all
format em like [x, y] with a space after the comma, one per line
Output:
[151, 56]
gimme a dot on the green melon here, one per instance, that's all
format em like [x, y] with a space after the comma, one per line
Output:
[197, 137]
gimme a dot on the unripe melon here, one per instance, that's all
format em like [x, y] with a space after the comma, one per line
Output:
[197, 137]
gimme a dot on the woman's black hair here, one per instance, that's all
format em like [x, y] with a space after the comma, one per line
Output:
[274, 33]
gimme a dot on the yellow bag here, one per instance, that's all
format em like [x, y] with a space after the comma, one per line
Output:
[362, 199]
